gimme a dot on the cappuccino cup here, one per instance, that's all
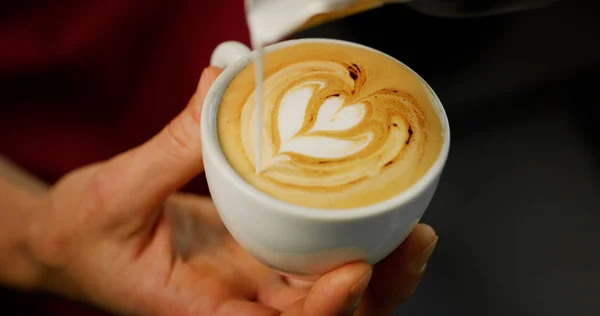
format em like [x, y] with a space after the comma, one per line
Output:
[355, 144]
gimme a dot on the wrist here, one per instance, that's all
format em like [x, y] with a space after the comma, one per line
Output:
[18, 266]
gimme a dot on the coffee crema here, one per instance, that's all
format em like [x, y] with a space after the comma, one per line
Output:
[343, 126]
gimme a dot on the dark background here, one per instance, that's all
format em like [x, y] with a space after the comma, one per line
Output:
[518, 206]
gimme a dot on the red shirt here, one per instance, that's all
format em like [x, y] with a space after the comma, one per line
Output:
[81, 81]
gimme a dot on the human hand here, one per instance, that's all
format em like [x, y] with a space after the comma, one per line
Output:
[115, 234]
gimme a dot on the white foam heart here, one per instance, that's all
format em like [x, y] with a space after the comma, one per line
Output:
[332, 116]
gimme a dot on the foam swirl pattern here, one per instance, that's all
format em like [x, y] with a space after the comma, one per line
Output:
[334, 129]
[321, 133]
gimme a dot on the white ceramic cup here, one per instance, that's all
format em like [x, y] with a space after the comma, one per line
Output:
[299, 241]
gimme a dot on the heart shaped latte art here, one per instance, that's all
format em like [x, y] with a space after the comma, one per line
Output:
[321, 129]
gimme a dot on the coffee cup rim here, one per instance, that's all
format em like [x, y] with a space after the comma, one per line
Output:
[212, 146]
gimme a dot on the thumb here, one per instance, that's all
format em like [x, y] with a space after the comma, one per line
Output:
[143, 177]
[336, 293]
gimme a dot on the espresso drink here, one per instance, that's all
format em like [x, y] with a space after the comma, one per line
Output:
[343, 126]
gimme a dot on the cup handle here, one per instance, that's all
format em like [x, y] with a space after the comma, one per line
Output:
[227, 53]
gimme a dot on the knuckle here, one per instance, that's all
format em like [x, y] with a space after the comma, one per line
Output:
[179, 137]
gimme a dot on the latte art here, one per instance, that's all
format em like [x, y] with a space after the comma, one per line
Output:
[320, 131]
[343, 126]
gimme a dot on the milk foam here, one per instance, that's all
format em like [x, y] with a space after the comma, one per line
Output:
[319, 131]
[331, 117]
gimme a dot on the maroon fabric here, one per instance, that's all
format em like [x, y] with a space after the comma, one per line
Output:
[84, 80]
[81, 81]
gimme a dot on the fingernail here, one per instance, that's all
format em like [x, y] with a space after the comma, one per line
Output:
[204, 85]
[358, 289]
[421, 263]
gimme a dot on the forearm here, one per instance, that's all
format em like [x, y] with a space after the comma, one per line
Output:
[20, 194]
